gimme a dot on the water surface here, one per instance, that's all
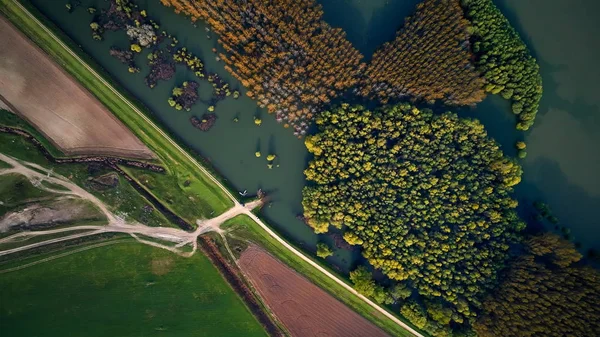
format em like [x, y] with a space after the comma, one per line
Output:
[563, 162]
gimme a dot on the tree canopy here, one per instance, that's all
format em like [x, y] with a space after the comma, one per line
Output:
[429, 59]
[427, 197]
[544, 293]
[323, 250]
[291, 61]
[504, 60]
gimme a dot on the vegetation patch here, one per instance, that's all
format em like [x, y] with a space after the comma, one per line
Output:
[204, 123]
[544, 292]
[430, 59]
[427, 198]
[184, 96]
[77, 294]
[4, 165]
[162, 266]
[291, 71]
[17, 190]
[504, 60]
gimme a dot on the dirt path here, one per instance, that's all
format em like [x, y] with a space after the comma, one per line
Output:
[218, 183]
[115, 224]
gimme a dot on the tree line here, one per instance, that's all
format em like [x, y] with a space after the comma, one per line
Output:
[430, 59]
[504, 60]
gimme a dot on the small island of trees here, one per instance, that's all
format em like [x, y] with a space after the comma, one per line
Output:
[504, 60]
[185, 96]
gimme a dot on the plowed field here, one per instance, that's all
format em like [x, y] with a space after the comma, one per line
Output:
[302, 307]
[69, 116]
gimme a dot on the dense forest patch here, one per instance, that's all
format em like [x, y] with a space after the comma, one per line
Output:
[291, 61]
[545, 292]
[429, 59]
[504, 60]
[426, 197]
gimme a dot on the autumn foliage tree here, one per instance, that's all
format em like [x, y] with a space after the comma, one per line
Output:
[430, 59]
[426, 197]
[288, 58]
[544, 293]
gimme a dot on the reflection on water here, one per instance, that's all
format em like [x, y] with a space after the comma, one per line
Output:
[563, 163]
[368, 23]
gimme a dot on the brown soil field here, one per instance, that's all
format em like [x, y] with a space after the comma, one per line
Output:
[303, 308]
[51, 100]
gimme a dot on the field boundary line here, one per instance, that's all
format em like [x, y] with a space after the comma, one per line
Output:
[217, 182]
[58, 256]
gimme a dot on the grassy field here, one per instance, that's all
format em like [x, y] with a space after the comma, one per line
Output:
[242, 227]
[15, 189]
[180, 168]
[126, 289]
[122, 199]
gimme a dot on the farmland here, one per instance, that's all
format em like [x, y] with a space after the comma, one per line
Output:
[62, 110]
[124, 289]
[242, 230]
[305, 309]
[184, 175]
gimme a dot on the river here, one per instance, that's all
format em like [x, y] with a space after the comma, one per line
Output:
[563, 160]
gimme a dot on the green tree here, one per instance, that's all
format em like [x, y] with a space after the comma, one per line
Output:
[427, 197]
[363, 282]
[544, 293]
[136, 48]
[177, 91]
[323, 250]
[504, 60]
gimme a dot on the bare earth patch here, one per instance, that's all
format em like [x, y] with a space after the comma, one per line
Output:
[305, 309]
[68, 115]
[161, 266]
[62, 210]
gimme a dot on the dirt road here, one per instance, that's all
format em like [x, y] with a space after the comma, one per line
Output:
[115, 224]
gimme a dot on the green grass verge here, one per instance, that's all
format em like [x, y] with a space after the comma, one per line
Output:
[123, 199]
[31, 239]
[8, 118]
[4, 165]
[179, 167]
[16, 189]
[242, 227]
[126, 289]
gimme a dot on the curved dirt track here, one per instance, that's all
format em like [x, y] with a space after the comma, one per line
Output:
[305, 309]
[67, 114]
[36, 173]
